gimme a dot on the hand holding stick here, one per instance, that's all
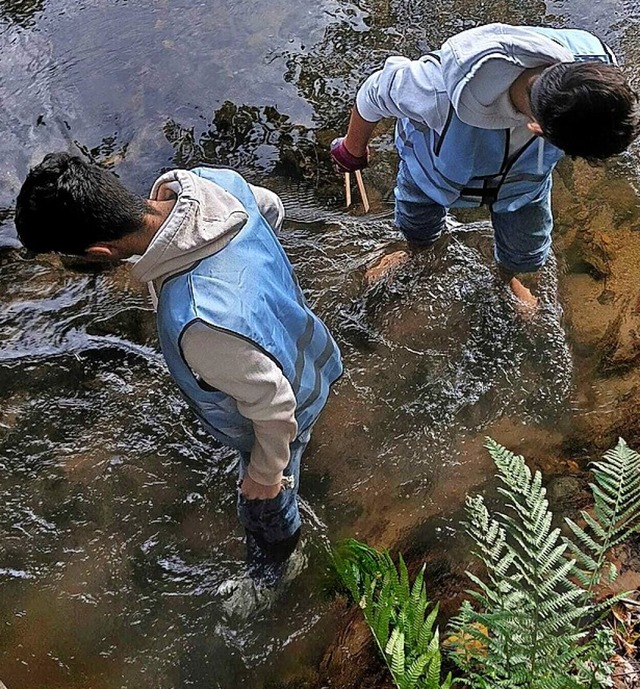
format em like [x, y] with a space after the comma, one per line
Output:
[346, 162]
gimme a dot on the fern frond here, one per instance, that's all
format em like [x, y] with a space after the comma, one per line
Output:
[395, 653]
[531, 601]
[433, 673]
[417, 602]
[427, 631]
[415, 670]
[382, 610]
[594, 668]
[617, 512]
[555, 575]
[447, 682]
[403, 584]
[392, 642]
[585, 539]
[396, 612]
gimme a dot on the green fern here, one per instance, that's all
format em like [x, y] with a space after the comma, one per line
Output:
[616, 493]
[397, 613]
[533, 619]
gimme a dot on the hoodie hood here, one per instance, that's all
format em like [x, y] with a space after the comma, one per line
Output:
[480, 64]
[204, 219]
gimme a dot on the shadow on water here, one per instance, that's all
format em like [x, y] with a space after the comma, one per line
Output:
[121, 555]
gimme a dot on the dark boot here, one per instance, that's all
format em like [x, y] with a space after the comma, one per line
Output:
[267, 562]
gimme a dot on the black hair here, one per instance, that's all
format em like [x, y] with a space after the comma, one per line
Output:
[66, 205]
[587, 109]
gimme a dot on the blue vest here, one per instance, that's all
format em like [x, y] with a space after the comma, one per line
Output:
[469, 166]
[249, 289]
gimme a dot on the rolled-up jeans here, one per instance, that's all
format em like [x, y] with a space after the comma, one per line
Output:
[276, 518]
[522, 238]
[420, 219]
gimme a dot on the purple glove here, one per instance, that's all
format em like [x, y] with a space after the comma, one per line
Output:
[344, 161]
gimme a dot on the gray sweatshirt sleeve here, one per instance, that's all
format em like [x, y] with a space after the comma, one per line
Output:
[263, 394]
[270, 206]
[405, 88]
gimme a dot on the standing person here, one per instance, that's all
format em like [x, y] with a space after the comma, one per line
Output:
[484, 120]
[249, 356]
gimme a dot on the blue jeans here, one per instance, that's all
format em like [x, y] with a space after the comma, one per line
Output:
[522, 237]
[277, 518]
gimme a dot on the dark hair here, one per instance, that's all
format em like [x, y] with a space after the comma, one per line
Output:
[586, 109]
[67, 205]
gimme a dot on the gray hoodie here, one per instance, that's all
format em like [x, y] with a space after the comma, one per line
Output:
[203, 221]
[475, 71]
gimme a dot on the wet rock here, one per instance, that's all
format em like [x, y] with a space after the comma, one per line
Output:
[584, 222]
[616, 417]
[590, 248]
[597, 253]
[291, 164]
[82, 265]
[620, 344]
[133, 324]
[563, 488]
[607, 297]
[568, 494]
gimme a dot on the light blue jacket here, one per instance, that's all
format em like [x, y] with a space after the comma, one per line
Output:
[249, 289]
[467, 166]
[462, 141]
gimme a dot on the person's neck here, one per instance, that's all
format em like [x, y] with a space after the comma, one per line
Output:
[520, 89]
[153, 221]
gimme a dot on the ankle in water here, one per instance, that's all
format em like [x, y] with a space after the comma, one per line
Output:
[267, 562]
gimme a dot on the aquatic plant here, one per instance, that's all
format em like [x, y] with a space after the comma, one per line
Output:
[397, 613]
[534, 619]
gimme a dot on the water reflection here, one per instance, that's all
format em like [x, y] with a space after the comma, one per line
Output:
[248, 138]
[21, 11]
[365, 33]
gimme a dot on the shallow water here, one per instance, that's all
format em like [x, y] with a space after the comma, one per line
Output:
[121, 557]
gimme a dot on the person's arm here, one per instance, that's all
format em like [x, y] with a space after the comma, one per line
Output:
[402, 88]
[405, 88]
[358, 134]
[263, 395]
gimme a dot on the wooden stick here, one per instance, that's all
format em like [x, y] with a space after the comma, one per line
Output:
[363, 191]
[347, 188]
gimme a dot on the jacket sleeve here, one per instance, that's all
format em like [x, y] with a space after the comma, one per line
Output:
[270, 206]
[405, 88]
[262, 393]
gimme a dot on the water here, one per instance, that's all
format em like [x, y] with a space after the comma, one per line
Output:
[121, 561]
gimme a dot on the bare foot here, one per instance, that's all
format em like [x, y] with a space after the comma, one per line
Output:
[527, 302]
[385, 266]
